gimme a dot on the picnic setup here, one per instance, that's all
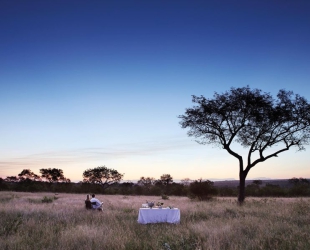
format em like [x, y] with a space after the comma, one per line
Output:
[149, 213]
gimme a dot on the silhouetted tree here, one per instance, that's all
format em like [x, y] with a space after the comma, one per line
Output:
[253, 119]
[186, 181]
[301, 187]
[146, 182]
[297, 181]
[293, 181]
[28, 174]
[166, 179]
[11, 179]
[53, 175]
[102, 175]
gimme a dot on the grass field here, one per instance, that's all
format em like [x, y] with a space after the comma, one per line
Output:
[61, 222]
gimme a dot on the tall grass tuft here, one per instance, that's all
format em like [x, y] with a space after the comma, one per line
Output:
[10, 223]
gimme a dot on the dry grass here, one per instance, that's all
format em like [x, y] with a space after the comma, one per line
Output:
[27, 223]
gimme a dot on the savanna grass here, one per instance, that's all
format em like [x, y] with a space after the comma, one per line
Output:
[220, 223]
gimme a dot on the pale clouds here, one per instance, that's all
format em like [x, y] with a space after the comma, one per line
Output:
[14, 165]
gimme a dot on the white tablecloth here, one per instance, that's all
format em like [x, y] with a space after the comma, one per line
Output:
[157, 215]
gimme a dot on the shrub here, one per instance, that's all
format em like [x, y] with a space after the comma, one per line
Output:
[165, 197]
[47, 199]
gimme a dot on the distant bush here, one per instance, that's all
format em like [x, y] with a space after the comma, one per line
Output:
[273, 190]
[227, 191]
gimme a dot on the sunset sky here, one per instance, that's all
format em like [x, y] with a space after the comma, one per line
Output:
[91, 83]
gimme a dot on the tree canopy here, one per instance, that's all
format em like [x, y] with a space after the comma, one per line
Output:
[263, 125]
[166, 179]
[53, 175]
[27, 174]
[102, 175]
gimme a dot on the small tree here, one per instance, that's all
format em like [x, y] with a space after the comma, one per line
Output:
[146, 182]
[264, 126]
[296, 181]
[102, 175]
[186, 181]
[166, 179]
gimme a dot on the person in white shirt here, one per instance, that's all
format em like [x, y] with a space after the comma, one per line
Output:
[96, 204]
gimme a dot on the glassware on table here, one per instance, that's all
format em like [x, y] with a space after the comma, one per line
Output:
[151, 204]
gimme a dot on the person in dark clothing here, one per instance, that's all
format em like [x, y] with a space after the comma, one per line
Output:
[88, 203]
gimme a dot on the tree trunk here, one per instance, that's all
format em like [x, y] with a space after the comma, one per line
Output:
[241, 195]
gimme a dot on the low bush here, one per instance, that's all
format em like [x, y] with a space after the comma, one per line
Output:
[47, 199]
[165, 197]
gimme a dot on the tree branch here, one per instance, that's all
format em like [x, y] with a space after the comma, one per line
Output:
[262, 158]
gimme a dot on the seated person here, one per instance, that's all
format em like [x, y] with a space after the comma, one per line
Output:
[96, 204]
[88, 202]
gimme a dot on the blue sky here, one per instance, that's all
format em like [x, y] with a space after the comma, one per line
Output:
[91, 83]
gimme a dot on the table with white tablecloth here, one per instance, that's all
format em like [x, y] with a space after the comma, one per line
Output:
[157, 215]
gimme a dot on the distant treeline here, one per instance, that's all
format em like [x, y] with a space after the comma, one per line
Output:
[201, 189]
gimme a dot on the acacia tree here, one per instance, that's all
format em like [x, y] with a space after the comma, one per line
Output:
[102, 175]
[264, 126]
[27, 174]
[53, 175]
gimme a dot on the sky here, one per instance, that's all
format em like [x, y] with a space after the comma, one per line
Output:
[101, 83]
